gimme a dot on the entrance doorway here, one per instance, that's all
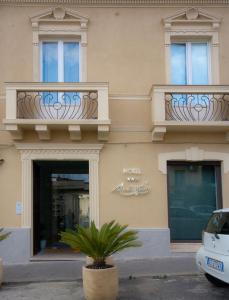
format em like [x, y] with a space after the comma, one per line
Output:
[194, 192]
[61, 201]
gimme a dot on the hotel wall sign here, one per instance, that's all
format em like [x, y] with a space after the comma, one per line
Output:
[132, 187]
[134, 171]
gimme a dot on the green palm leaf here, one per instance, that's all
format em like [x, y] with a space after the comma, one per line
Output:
[3, 236]
[100, 243]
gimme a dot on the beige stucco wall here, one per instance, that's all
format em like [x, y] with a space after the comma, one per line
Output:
[150, 210]
[126, 48]
[138, 211]
[143, 211]
[10, 186]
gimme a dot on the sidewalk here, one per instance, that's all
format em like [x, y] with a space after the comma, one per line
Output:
[179, 263]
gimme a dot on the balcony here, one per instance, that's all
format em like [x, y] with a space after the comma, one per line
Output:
[43, 107]
[190, 108]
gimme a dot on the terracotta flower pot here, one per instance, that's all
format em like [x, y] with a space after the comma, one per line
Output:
[1, 272]
[100, 284]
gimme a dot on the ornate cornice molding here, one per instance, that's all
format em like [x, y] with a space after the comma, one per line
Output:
[191, 16]
[58, 146]
[119, 3]
[59, 151]
[59, 15]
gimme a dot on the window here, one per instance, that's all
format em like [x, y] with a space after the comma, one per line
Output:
[218, 223]
[181, 32]
[190, 63]
[51, 23]
[60, 61]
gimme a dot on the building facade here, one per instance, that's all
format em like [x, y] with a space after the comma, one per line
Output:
[112, 110]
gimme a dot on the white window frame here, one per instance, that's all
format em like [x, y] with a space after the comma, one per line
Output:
[188, 62]
[51, 24]
[60, 44]
[193, 24]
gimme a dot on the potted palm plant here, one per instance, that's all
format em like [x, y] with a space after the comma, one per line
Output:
[3, 236]
[100, 279]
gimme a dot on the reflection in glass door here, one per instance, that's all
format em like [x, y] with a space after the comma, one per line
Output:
[61, 201]
[194, 192]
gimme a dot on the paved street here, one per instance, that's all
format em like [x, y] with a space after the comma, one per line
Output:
[142, 288]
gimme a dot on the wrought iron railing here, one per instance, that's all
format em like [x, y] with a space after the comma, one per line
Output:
[197, 106]
[57, 105]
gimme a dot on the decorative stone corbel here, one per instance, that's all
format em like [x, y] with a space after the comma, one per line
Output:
[158, 134]
[103, 132]
[43, 132]
[74, 132]
[15, 131]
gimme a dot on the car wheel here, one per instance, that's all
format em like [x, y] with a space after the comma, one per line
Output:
[215, 281]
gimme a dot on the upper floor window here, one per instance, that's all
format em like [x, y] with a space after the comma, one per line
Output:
[190, 63]
[60, 61]
[192, 47]
[59, 45]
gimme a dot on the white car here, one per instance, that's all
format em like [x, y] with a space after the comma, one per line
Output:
[213, 256]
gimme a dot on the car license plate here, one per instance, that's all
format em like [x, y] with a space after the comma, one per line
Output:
[215, 264]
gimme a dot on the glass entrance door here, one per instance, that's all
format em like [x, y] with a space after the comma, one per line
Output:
[194, 192]
[61, 201]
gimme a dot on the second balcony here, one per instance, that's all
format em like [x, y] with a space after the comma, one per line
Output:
[189, 108]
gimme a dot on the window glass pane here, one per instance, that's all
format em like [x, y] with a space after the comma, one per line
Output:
[219, 223]
[199, 63]
[71, 62]
[50, 62]
[71, 69]
[178, 64]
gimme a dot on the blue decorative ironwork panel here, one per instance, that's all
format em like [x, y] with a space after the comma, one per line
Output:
[186, 107]
[57, 105]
